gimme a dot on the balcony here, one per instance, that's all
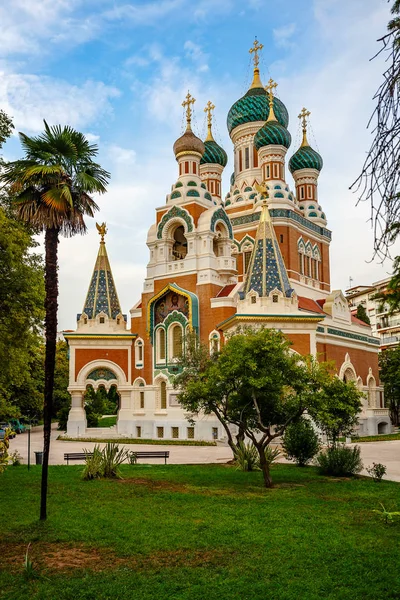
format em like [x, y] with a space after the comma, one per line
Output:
[226, 264]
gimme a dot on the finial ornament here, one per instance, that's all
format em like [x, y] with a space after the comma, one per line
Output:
[187, 104]
[102, 229]
[272, 85]
[255, 50]
[208, 109]
[263, 190]
[256, 83]
[303, 117]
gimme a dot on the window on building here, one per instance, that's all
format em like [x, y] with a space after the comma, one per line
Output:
[175, 433]
[276, 171]
[255, 157]
[102, 320]
[176, 341]
[301, 263]
[186, 167]
[254, 299]
[212, 187]
[275, 298]
[218, 188]
[246, 158]
[282, 173]
[160, 432]
[163, 402]
[140, 352]
[240, 161]
[179, 248]
[281, 238]
[268, 171]
[85, 320]
[309, 192]
[246, 257]
[161, 344]
[141, 398]
[190, 433]
[215, 433]
[138, 432]
[194, 168]
[302, 192]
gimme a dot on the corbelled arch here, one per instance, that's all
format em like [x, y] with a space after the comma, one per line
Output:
[86, 374]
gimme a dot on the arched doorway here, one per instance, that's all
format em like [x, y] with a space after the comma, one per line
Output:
[179, 247]
[101, 406]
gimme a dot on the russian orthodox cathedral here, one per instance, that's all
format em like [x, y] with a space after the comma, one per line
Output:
[258, 257]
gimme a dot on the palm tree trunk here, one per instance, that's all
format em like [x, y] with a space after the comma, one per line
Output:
[51, 306]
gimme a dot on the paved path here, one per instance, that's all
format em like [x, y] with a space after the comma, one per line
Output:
[178, 454]
[387, 453]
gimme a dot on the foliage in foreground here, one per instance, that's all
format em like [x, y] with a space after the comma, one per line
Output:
[389, 365]
[104, 463]
[301, 442]
[246, 457]
[377, 471]
[340, 461]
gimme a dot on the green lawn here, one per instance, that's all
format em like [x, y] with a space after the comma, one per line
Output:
[199, 533]
[107, 421]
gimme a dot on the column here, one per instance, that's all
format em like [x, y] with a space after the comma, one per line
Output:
[76, 426]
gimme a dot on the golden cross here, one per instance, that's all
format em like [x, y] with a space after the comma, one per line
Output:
[303, 116]
[208, 109]
[186, 103]
[272, 85]
[255, 49]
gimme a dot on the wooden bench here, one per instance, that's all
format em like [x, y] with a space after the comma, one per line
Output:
[144, 454]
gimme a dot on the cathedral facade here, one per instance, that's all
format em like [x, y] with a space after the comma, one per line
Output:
[258, 256]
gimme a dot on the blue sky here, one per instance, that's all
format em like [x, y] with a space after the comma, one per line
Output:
[119, 70]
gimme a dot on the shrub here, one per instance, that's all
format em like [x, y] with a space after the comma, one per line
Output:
[340, 461]
[93, 468]
[132, 458]
[246, 457]
[15, 458]
[377, 471]
[301, 442]
[271, 455]
[113, 457]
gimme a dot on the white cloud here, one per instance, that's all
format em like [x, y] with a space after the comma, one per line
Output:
[121, 156]
[283, 35]
[196, 54]
[143, 14]
[30, 98]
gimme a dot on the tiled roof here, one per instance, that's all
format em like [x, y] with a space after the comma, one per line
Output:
[309, 305]
[102, 294]
[226, 290]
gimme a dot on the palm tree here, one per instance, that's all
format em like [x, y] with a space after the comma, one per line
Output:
[51, 187]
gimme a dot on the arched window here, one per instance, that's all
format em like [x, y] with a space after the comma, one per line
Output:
[179, 248]
[175, 341]
[301, 250]
[214, 340]
[163, 395]
[160, 344]
[139, 355]
[371, 392]
[246, 260]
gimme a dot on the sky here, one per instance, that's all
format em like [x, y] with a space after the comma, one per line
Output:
[118, 71]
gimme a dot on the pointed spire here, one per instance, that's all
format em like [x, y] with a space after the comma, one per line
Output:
[303, 117]
[256, 83]
[272, 85]
[208, 109]
[102, 294]
[267, 271]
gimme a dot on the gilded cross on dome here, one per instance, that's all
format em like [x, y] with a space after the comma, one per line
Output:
[270, 88]
[255, 49]
[208, 109]
[187, 104]
[303, 117]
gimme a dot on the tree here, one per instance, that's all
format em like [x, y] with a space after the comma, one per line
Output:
[51, 186]
[379, 181]
[362, 314]
[389, 363]
[21, 301]
[336, 408]
[256, 384]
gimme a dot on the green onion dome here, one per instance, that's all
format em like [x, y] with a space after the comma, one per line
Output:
[305, 158]
[214, 154]
[232, 179]
[254, 106]
[272, 133]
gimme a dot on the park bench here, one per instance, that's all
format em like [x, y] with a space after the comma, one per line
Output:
[145, 454]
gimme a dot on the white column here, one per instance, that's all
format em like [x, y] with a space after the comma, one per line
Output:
[125, 413]
[76, 425]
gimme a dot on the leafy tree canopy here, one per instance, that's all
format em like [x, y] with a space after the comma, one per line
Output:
[362, 314]
[389, 363]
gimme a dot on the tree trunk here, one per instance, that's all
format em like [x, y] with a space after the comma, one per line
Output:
[264, 467]
[51, 306]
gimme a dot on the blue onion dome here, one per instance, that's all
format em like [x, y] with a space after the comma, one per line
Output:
[272, 133]
[214, 154]
[254, 106]
[305, 158]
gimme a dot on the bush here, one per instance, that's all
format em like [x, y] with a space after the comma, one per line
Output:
[246, 457]
[300, 442]
[104, 463]
[93, 468]
[340, 461]
[271, 455]
[377, 471]
[15, 458]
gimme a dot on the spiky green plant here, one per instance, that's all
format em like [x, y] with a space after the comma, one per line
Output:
[246, 457]
[113, 457]
[93, 468]
[386, 515]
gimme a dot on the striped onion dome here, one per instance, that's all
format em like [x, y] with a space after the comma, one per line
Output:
[272, 133]
[254, 106]
[214, 154]
[305, 158]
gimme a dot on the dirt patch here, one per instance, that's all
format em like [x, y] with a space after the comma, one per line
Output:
[50, 557]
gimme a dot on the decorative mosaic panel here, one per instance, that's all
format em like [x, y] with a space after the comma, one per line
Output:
[101, 373]
[286, 213]
[169, 303]
[353, 336]
[175, 195]
[174, 212]
[220, 215]
[194, 193]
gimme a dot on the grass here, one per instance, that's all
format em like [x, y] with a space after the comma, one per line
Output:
[377, 438]
[163, 442]
[107, 421]
[198, 532]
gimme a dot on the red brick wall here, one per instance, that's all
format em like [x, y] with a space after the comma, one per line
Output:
[362, 360]
[86, 355]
